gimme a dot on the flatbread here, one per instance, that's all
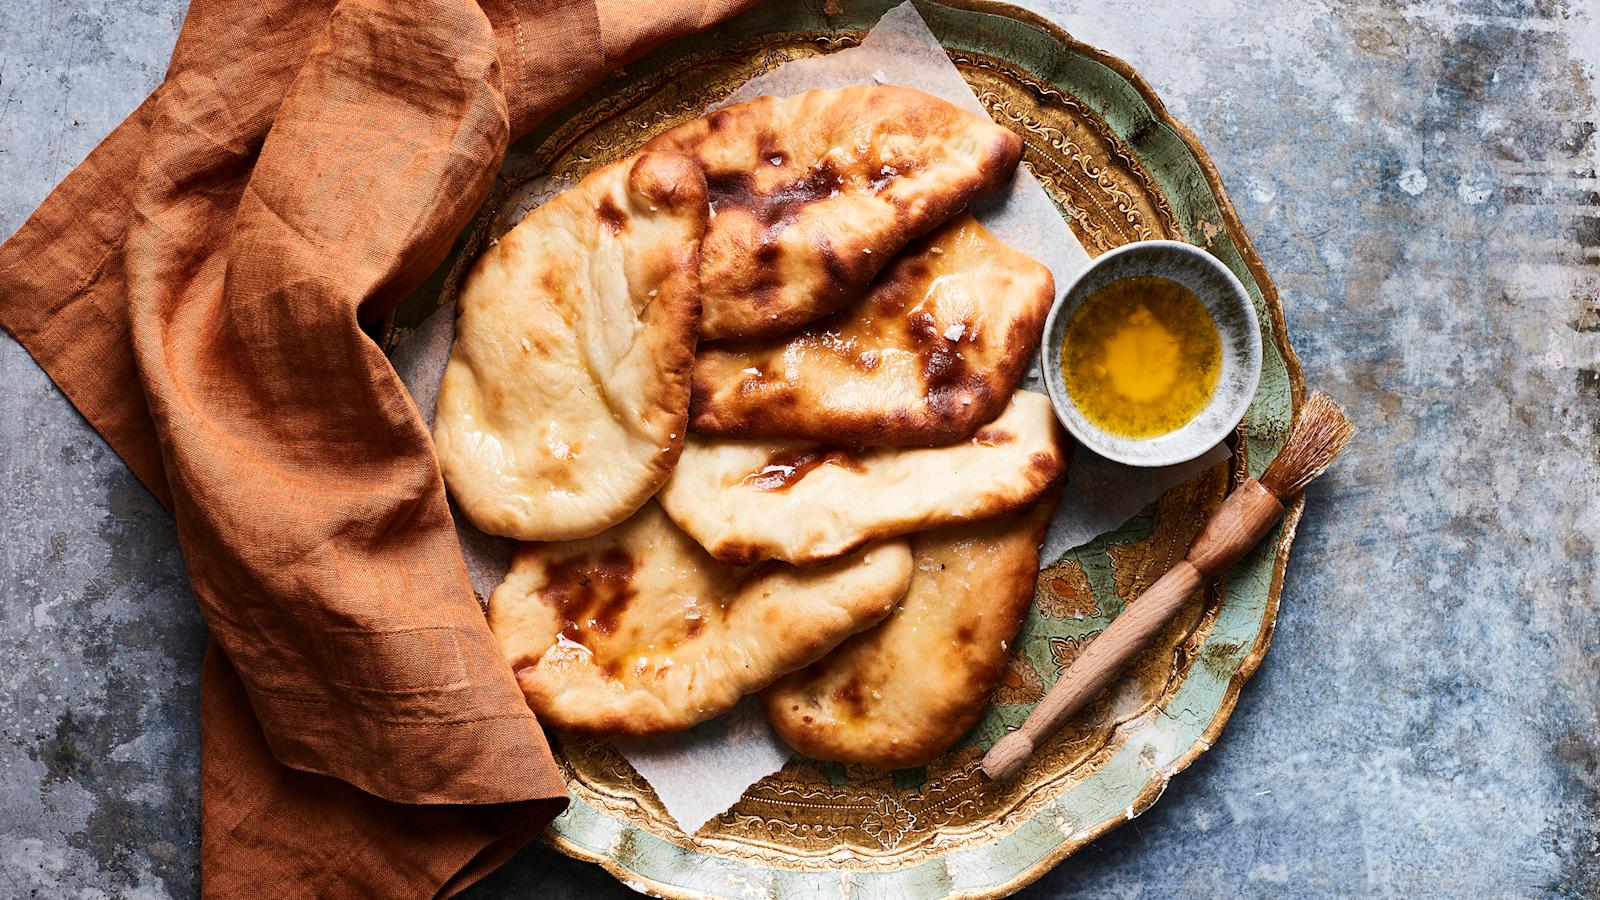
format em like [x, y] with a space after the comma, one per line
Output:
[637, 631]
[933, 351]
[901, 693]
[813, 194]
[564, 402]
[805, 503]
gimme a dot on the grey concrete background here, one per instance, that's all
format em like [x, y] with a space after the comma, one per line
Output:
[1420, 178]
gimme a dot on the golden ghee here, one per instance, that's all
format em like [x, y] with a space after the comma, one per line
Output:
[1141, 357]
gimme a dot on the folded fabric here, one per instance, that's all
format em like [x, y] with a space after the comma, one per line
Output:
[195, 288]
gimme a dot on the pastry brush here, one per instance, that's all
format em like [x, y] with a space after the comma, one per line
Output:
[1319, 435]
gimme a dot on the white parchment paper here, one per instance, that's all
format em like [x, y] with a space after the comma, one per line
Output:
[702, 772]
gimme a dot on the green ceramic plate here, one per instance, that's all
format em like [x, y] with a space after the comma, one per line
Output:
[1121, 170]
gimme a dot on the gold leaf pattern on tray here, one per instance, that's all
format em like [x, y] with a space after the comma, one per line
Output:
[1019, 683]
[1183, 511]
[1064, 592]
[888, 821]
[1063, 651]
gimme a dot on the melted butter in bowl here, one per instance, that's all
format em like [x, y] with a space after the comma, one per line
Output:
[1141, 357]
[1153, 354]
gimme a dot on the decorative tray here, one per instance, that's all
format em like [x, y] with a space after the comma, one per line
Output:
[1120, 169]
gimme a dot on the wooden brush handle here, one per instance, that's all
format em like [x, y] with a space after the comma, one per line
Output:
[1242, 520]
[1099, 663]
[1231, 531]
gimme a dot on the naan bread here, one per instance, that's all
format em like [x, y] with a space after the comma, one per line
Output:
[813, 194]
[899, 694]
[637, 631]
[563, 406]
[934, 350]
[804, 503]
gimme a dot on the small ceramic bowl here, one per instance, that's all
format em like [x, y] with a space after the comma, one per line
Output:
[1230, 307]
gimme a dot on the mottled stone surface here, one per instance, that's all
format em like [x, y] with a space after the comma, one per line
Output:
[1421, 181]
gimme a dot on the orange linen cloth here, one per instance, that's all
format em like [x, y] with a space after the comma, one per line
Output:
[194, 288]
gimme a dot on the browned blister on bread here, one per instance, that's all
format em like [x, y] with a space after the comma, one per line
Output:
[934, 350]
[637, 631]
[901, 693]
[563, 406]
[813, 194]
[805, 503]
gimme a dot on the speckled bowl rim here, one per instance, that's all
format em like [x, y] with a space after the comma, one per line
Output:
[1241, 362]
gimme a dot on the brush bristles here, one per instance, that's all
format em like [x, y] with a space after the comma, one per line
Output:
[1319, 435]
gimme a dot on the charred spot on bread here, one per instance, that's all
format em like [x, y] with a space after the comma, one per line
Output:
[672, 181]
[611, 218]
[591, 592]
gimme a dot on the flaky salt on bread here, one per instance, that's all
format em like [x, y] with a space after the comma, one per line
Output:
[564, 402]
[813, 194]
